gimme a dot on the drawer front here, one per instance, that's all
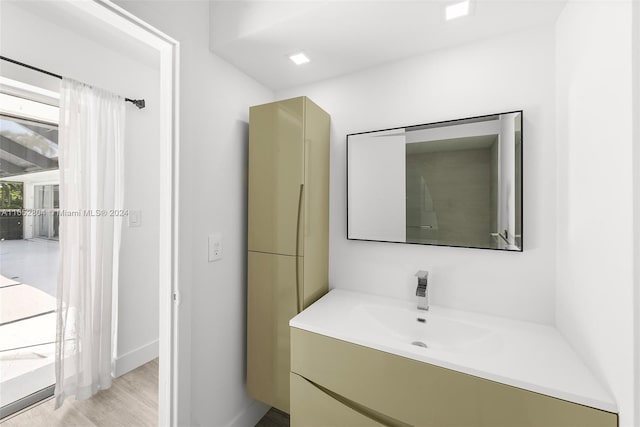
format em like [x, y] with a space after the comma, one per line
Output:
[313, 407]
[421, 394]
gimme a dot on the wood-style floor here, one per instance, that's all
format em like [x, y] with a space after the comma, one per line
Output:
[274, 418]
[132, 400]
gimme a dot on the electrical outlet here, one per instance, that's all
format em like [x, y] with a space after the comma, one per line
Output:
[215, 247]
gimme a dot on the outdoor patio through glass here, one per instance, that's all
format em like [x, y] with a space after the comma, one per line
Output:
[29, 249]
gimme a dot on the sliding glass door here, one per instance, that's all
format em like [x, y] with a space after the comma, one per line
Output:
[46, 211]
[29, 250]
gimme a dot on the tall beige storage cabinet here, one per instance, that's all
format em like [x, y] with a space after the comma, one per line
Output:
[288, 235]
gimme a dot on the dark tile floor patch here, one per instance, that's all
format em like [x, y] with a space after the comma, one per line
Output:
[274, 418]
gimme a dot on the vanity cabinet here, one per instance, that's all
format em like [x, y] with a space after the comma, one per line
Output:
[337, 383]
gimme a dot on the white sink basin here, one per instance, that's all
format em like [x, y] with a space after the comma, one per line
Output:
[521, 354]
[423, 329]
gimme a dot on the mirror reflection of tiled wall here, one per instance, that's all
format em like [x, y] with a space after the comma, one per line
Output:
[451, 196]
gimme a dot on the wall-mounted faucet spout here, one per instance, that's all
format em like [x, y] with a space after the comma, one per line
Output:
[421, 290]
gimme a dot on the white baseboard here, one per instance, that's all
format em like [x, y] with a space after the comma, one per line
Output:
[136, 358]
[251, 415]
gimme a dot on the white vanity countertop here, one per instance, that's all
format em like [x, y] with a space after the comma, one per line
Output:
[522, 354]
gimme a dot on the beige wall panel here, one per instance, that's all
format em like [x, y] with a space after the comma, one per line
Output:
[271, 303]
[426, 395]
[276, 171]
[316, 209]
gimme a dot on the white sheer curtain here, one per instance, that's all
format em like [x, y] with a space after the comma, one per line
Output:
[91, 133]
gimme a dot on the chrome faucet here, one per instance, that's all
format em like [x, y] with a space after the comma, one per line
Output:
[421, 290]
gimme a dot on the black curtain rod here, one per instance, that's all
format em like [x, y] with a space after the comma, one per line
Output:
[137, 102]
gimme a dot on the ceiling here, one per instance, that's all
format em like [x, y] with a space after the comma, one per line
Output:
[341, 36]
[77, 24]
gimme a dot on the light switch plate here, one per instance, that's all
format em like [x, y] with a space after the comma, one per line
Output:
[135, 218]
[215, 247]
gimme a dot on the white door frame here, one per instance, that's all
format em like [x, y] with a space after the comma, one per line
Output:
[169, 53]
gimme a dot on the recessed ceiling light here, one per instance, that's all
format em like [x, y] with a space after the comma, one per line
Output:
[457, 10]
[299, 58]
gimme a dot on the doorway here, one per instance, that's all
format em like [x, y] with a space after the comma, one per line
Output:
[100, 23]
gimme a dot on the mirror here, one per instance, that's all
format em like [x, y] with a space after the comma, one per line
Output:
[454, 183]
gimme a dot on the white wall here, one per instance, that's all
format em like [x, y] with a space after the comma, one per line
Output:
[215, 100]
[595, 296]
[41, 35]
[505, 74]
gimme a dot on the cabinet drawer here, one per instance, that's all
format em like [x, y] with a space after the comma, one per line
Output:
[313, 407]
[421, 394]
